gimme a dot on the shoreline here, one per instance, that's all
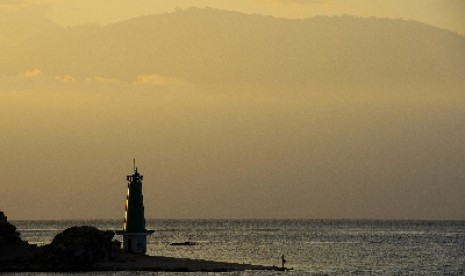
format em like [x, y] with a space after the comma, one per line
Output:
[88, 249]
[134, 262]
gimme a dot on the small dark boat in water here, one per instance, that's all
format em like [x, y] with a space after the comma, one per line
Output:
[187, 243]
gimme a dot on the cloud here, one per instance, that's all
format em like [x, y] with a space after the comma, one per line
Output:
[66, 78]
[35, 80]
[295, 2]
[103, 80]
[156, 79]
[31, 73]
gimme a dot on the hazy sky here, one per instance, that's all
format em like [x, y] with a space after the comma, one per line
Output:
[233, 116]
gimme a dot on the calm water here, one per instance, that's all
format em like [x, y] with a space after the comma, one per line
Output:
[311, 247]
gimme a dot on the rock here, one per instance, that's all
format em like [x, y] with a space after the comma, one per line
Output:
[79, 248]
[8, 233]
[14, 252]
[75, 249]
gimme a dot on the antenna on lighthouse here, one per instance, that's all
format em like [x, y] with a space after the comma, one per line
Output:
[134, 164]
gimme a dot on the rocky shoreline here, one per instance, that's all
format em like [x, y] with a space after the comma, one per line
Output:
[87, 248]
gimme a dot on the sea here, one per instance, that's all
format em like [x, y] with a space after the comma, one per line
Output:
[310, 247]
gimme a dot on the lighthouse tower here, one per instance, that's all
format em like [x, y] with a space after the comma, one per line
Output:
[134, 232]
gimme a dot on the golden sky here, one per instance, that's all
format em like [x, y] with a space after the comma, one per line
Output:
[233, 115]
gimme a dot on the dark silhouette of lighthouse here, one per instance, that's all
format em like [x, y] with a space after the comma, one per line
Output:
[134, 232]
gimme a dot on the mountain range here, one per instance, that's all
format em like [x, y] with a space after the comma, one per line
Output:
[212, 47]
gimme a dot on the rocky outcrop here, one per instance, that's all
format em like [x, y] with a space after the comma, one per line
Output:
[14, 252]
[75, 249]
[79, 248]
[8, 233]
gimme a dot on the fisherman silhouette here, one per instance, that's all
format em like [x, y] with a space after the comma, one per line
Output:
[283, 261]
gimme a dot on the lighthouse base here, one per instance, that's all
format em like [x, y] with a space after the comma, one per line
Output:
[135, 242]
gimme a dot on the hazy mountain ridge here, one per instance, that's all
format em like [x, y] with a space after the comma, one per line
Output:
[208, 46]
[20, 28]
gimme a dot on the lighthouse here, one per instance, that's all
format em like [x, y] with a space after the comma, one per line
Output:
[134, 232]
